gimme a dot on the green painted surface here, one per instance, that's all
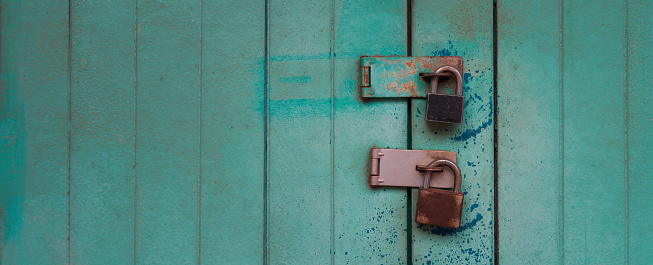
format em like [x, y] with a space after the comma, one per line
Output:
[153, 132]
[529, 131]
[639, 74]
[463, 29]
[232, 132]
[167, 132]
[369, 224]
[35, 136]
[578, 122]
[593, 129]
[103, 76]
[300, 158]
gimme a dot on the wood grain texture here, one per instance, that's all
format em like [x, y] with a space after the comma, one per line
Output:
[232, 137]
[639, 73]
[103, 36]
[529, 137]
[300, 158]
[370, 223]
[34, 132]
[462, 28]
[167, 132]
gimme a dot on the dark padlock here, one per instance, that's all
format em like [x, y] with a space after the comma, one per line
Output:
[444, 107]
[440, 207]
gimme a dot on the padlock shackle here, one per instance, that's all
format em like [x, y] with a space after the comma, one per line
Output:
[446, 163]
[455, 72]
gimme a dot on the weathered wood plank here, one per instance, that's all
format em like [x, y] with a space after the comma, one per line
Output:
[462, 28]
[34, 132]
[167, 132]
[103, 77]
[232, 137]
[593, 107]
[300, 183]
[370, 224]
[529, 143]
[640, 125]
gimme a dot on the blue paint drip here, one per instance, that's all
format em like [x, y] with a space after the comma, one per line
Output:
[443, 231]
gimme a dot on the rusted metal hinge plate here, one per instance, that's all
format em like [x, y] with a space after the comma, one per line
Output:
[397, 76]
[396, 167]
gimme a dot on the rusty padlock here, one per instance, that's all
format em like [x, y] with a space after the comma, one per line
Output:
[440, 207]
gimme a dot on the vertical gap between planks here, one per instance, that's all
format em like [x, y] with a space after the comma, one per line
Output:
[134, 179]
[266, 129]
[561, 181]
[332, 140]
[70, 98]
[199, 180]
[496, 135]
[626, 124]
[409, 137]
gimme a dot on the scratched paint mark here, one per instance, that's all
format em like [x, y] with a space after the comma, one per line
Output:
[295, 79]
[443, 231]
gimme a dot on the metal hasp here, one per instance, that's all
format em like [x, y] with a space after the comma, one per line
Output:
[397, 167]
[400, 76]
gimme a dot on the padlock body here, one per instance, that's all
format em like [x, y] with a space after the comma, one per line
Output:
[439, 207]
[445, 108]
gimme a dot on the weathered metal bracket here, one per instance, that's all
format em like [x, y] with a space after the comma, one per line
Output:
[399, 76]
[396, 167]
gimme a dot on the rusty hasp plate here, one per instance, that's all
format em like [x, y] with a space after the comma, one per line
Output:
[398, 76]
[396, 167]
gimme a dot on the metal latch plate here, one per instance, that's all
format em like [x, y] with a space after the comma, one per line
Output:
[396, 167]
[398, 76]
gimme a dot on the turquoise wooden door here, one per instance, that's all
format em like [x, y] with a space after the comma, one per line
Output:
[574, 132]
[233, 132]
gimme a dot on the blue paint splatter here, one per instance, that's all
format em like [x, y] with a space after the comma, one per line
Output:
[444, 52]
[469, 133]
[471, 208]
[443, 231]
[467, 77]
